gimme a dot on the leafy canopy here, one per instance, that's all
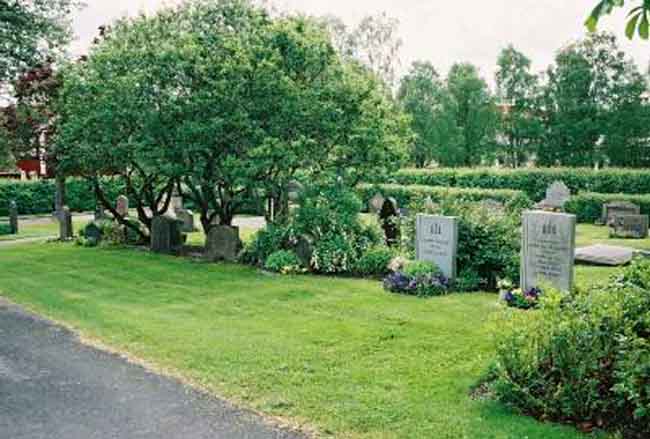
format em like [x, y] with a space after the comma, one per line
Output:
[638, 17]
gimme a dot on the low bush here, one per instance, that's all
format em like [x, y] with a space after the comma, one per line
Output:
[533, 182]
[488, 243]
[5, 229]
[588, 206]
[375, 261]
[582, 358]
[283, 261]
[404, 195]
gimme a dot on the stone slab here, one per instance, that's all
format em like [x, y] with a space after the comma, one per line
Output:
[606, 255]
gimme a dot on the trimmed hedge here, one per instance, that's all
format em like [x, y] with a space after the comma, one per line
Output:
[404, 194]
[37, 196]
[533, 182]
[588, 206]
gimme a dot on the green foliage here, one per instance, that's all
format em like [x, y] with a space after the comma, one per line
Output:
[375, 261]
[329, 215]
[405, 194]
[424, 97]
[533, 182]
[582, 358]
[589, 97]
[420, 268]
[32, 32]
[272, 238]
[488, 243]
[638, 17]
[5, 229]
[283, 261]
[37, 196]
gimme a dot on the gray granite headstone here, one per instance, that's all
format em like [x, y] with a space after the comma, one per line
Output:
[616, 208]
[607, 255]
[122, 205]
[376, 203]
[629, 227]
[166, 236]
[13, 218]
[437, 242]
[305, 250]
[223, 244]
[557, 196]
[186, 217]
[93, 232]
[548, 250]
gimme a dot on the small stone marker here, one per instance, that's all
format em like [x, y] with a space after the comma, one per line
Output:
[222, 244]
[548, 250]
[13, 218]
[99, 212]
[630, 227]
[186, 217]
[376, 203]
[429, 204]
[607, 255]
[65, 224]
[166, 236]
[493, 207]
[389, 219]
[93, 232]
[122, 206]
[437, 242]
[614, 209]
[557, 196]
[305, 250]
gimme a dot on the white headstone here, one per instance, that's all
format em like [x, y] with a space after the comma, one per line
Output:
[122, 205]
[437, 242]
[548, 250]
[376, 203]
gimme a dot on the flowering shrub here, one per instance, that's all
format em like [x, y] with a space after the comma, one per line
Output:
[418, 279]
[523, 299]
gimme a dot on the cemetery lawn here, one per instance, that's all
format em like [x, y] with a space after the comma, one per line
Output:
[40, 228]
[340, 355]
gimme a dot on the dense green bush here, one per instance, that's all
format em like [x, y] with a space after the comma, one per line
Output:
[583, 358]
[488, 243]
[37, 196]
[283, 261]
[375, 261]
[5, 229]
[404, 194]
[533, 182]
[588, 206]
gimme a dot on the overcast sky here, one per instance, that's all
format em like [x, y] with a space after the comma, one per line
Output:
[440, 31]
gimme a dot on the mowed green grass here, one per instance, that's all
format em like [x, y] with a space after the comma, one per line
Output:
[43, 228]
[340, 355]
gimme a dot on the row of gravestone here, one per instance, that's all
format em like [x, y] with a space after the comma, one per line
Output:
[548, 247]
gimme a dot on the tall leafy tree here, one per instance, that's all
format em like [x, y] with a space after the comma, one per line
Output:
[227, 102]
[475, 113]
[591, 86]
[638, 16]
[424, 97]
[517, 88]
[31, 32]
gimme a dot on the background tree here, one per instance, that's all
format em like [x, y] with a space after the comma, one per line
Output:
[423, 96]
[638, 16]
[517, 88]
[588, 89]
[32, 31]
[473, 108]
[374, 42]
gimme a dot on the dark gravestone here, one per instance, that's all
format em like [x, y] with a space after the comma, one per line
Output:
[13, 218]
[222, 244]
[166, 236]
[617, 208]
[629, 227]
[65, 224]
[93, 233]
[389, 219]
[304, 250]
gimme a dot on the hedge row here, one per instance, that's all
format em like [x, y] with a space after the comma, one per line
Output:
[588, 206]
[37, 196]
[404, 194]
[533, 182]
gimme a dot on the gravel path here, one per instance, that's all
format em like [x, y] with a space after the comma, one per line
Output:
[54, 387]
